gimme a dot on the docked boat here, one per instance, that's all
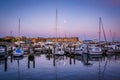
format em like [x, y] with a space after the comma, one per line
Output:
[83, 48]
[113, 48]
[59, 51]
[48, 46]
[76, 50]
[2, 51]
[94, 50]
[37, 47]
[25, 49]
[18, 52]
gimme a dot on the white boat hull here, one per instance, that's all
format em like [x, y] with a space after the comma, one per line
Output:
[95, 52]
[2, 51]
[59, 53]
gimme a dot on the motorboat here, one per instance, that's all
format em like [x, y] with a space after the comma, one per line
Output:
[94, 50]
[48, 46]
[113, 48]
[59, 50]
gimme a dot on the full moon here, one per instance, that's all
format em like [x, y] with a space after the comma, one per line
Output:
[65, 21]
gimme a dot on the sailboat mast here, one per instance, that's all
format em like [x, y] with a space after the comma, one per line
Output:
[19, 28]
[114, 36]
[111, 36]
[99, 29]
[103, 32]
[56, 21]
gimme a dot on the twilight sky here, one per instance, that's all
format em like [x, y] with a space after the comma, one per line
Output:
[79, 18]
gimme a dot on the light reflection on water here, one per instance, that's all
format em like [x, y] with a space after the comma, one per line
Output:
[70, 67]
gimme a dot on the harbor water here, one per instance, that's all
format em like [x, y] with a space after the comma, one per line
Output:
[67, 67]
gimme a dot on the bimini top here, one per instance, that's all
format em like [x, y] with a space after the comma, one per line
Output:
[19, 50]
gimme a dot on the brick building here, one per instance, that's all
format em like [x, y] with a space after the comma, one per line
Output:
[64, 39]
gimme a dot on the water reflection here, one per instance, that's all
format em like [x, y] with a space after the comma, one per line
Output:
[18, 59]
[60, 60]
[49, 56]
[31, 58]
[5, 69]
[99, 66]
[85, 60]
[3, 61]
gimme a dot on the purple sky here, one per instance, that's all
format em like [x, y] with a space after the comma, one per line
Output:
[79, 18]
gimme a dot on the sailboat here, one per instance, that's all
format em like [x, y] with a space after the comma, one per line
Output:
[93, 49]
[18, 50]
[58, 48]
